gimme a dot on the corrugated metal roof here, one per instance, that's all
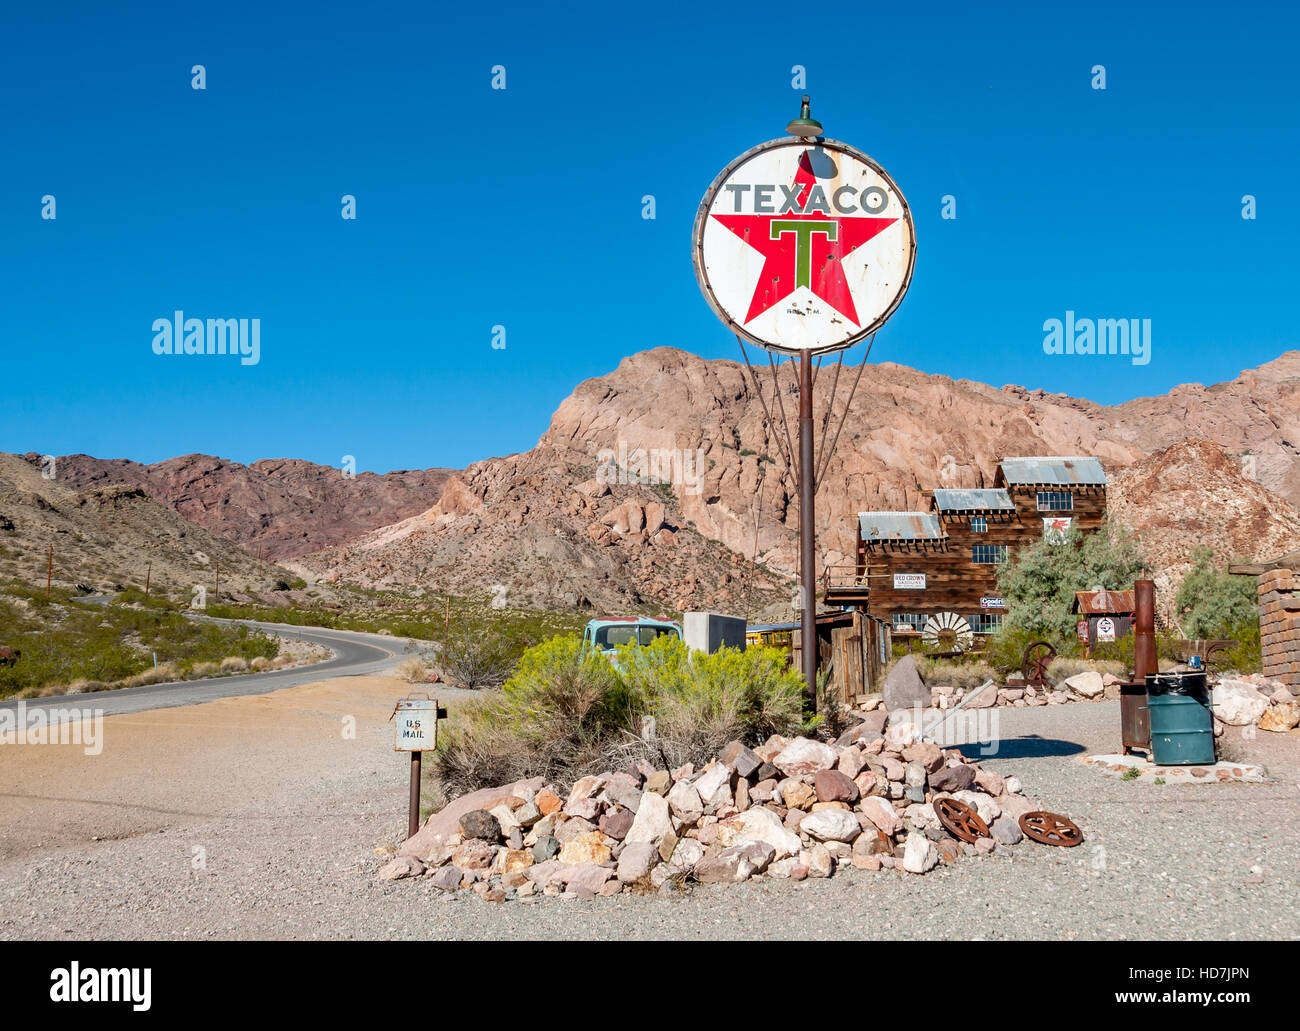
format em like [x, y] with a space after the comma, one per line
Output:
[1103, 603]
[1051, 469]
[900, 526]
[984, 500]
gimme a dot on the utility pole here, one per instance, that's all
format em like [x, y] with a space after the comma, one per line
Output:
[807, 553]
[216, 591]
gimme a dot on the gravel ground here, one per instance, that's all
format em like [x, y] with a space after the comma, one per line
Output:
[288, 827]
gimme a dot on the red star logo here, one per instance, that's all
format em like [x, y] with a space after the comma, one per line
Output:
[804, 255]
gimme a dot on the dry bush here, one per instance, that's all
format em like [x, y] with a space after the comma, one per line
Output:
[1059, 670]
[203, 669]
[962, 675]
[260, 663]
[413, 671]
[234, 664]
[153, 675]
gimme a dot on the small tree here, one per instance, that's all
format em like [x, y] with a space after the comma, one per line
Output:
[1211, 602]
[1039, 584]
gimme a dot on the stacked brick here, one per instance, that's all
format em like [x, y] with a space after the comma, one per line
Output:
[1279, 626]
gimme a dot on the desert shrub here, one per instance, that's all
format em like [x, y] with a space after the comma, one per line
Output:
[413, 670]
[566, 712]
[699, 702]
[1246, 656]
[963, 674]
[234, 664]
[473, 658]
[1212, 602]
[1005, 650]
[554, 718]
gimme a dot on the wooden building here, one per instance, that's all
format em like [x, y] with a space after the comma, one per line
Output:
[933, 575]
[1104, 615]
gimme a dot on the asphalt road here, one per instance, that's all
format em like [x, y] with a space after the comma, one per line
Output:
[355, 654]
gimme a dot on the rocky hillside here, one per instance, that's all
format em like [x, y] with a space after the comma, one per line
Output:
[1194, 493]
[534, 524]
[281, 506]
[106, 536]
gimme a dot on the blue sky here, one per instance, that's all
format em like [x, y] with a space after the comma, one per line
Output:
[522, 207]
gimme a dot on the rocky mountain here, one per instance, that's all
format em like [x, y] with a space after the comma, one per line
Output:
[539, 525]
[281, 507]
[1195, 493]
[110, 536]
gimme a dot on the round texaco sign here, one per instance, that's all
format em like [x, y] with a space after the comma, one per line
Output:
[804, 246]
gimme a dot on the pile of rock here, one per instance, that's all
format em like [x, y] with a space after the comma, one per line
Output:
[790, 808]
[1255, 701]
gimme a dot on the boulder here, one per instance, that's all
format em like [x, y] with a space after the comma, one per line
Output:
[834, 786]
[820, 861]
[986, 698]
[446, 821]
[1238, 703]
[904, 687]
[762, 826]
[585, 848]
[831, 825]
[804, 755]
[684, 802]
[796, 794]
[714, 786]
[953, 778]
[1088, 684]
[737, 863]
[1281, 717]
[881, 814]
[1006, 830]
[919, 854]
[401, 867]
[617, 823]
[653, 821]
[636, 861]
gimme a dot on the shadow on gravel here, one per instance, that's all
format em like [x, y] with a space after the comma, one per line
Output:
[1029, 747]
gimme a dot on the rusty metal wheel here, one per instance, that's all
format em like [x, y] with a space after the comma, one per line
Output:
[1051, 829]
[1033, 664]
[960, 820]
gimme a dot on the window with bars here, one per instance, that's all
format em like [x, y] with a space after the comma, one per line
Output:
[985, 622]
[979, 524]
[1055, 501]
[988, 554]
[906, 621]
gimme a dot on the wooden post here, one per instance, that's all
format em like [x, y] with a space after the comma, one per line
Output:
[148, 574]
[216, 593]
[49, 571]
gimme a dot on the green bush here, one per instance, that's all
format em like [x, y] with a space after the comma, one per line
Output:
[1212, 602]
[566, 712]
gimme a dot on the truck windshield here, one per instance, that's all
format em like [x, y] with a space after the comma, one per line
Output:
[613, 636]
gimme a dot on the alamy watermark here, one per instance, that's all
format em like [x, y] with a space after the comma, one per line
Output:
[42, 725]
[683, 469]
[1098, 337]
[179, 335]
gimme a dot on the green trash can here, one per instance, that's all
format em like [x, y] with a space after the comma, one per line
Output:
[1182, 727]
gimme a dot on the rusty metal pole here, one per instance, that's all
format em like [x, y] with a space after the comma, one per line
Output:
[1144, 629]
[807, 536]
[413, 818]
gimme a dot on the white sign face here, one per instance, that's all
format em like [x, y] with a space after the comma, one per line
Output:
[417, 725]
[909, 581]
[1105, 629]
[1057, 530]
[803, 246]
[993, 603]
